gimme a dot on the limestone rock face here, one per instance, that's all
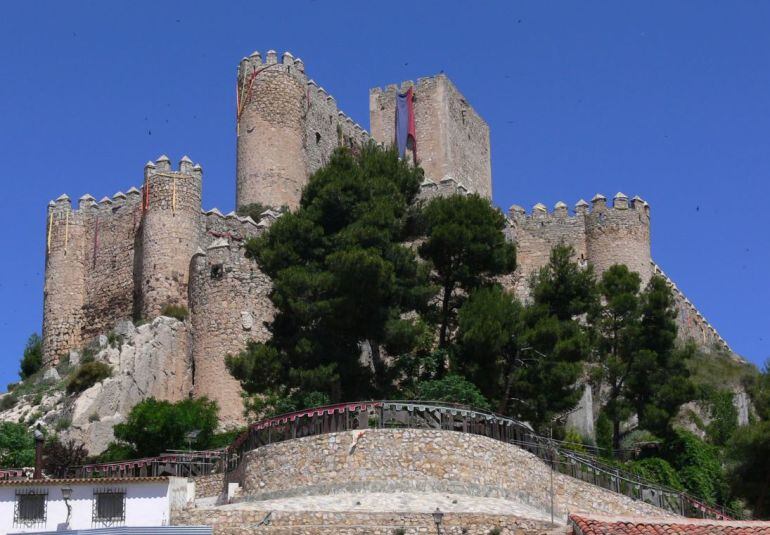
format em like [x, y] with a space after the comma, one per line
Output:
[153, 360]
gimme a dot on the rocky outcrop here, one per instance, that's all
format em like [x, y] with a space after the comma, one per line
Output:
[152, 360]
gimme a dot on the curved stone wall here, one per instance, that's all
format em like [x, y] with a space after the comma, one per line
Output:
[393, 460]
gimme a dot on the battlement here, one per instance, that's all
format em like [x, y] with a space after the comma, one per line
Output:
[288, 64]
[621, 206]
[692, 325]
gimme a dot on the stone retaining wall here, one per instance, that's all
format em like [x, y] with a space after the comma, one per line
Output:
[392, 460]
[210, 485]
[227, 521]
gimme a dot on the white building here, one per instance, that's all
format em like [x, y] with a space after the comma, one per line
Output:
[28, 506]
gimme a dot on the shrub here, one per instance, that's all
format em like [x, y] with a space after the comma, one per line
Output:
[452, 388]
[699, 467]
[114, 339]
[155, 426]
[63, 423]
[87, 376]
[32, 360]
[58, 457]
[178, 312]
[253, 210]
[8, 402]
[17, 446]
[117, 451]
[656, 470]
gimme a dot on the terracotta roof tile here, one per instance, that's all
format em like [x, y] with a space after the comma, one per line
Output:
[602, 525]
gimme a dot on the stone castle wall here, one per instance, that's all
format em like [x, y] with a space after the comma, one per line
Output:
[416, 460]
[133, 254]
[240, 521]
[601, 236]
[229, 306]
[452, 139]
[288, 127]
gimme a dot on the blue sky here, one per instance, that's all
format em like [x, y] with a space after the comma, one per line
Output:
[667, 100]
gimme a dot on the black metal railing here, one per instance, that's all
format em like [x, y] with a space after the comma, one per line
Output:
[384, 414]
[454, 417]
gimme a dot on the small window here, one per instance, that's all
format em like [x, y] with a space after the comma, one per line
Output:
[30, 507]
[109, 506]
[217, 271]
[317, 138]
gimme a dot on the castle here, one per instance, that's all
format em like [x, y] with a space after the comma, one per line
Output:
[133, 255]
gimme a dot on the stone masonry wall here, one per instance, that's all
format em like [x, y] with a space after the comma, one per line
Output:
[237, 521]
[111, 229]
[209, 485]
[170, 233]
[64, 291]
[230, 304]
[389, 460]
[271, 167]
[452, 139]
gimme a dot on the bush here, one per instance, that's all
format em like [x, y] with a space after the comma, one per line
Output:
[656, 470]
[87, 376]
[17, 446]
[58, 457]
[452, 388]
[117, 451]
[175, 311]
[153, 426]
[253, 210]
[699, 467]
[32, 360]
[63, 423]
[8, 402]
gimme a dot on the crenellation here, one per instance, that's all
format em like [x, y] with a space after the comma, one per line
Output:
[134, 253]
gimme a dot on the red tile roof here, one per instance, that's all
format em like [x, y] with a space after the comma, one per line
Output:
[603, 525]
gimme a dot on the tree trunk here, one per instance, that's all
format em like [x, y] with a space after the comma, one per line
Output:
[378, 365]
[502, 407]
[616, 435]
[442, 339]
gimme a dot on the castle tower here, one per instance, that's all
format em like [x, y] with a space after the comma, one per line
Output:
[64, 290]
[229, 305]
[619, 235]
[271, 166]
[452, 139]
[170, 233]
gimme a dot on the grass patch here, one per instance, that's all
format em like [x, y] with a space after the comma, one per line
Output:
[720, 371]
[87, 376]
[63, 424]
[175, 311]
[8, 402]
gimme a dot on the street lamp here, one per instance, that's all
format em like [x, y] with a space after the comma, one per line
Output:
[66, 494]
[438, 517]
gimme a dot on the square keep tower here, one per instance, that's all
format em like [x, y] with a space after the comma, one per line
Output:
[452, 139]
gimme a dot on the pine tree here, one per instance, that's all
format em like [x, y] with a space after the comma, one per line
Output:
[466, 248]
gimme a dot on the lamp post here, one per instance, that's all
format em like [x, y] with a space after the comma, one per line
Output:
[66, 494]
[39, 439]
[438, 518]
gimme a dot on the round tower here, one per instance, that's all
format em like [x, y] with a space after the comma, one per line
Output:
[619, 235]
[229, 305]
[271, 166]
[170, 233]
[64, 290]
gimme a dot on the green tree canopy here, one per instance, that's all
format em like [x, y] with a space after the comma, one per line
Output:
[153, 426]
[342, 281]
[32, 360]
[17, 445]
[554, 340]
[466, 247]
[748, 462]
